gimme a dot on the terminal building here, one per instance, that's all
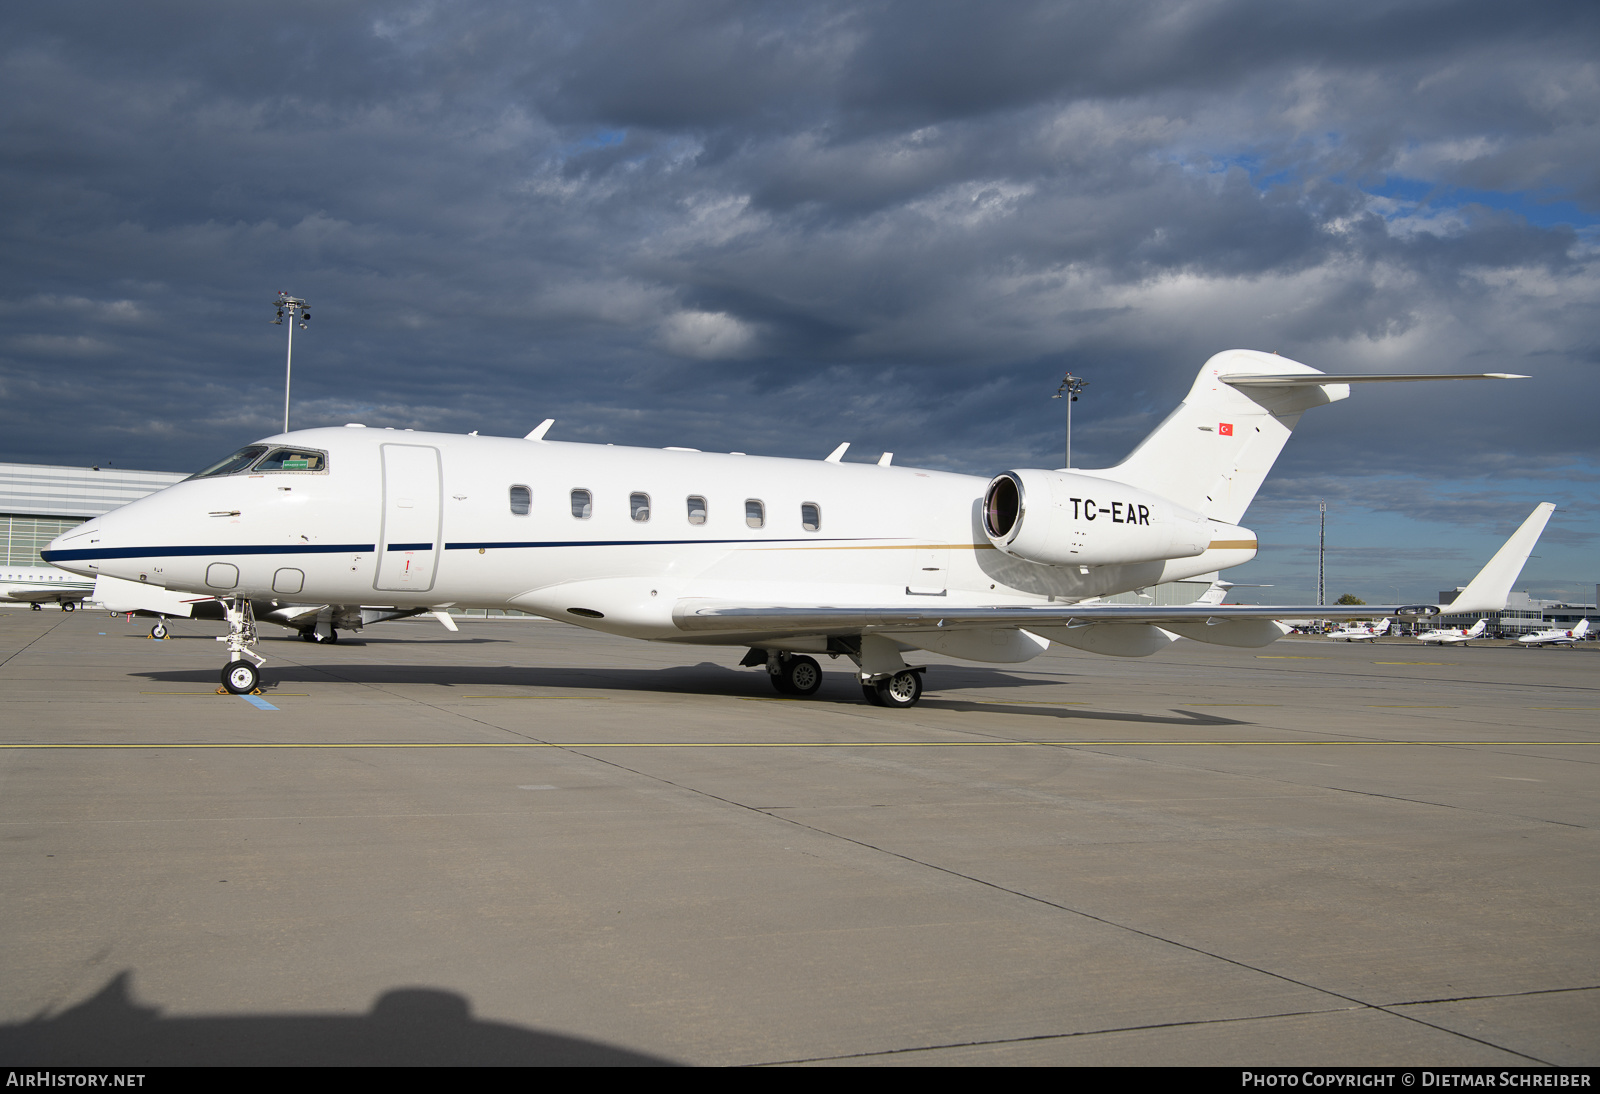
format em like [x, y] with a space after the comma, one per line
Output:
[1523, 614]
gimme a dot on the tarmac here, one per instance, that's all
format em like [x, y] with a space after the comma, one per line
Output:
[529, 843]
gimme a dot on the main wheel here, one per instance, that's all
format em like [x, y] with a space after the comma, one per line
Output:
[309, 636]
[903, 689]
[800, 676]
[159, 630]
[869, 692]
[240, 677]
[68, 606]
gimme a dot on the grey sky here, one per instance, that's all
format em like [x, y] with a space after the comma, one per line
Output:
[774, 227]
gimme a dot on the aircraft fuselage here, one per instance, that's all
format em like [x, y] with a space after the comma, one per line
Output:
[601, 536]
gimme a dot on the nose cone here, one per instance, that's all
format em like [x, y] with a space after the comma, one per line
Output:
[74, 549]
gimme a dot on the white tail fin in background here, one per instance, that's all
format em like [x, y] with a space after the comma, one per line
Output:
[1488, 591]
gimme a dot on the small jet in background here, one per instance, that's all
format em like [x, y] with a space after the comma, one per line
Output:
[1556, 638]
[1361, 632]
[1450, 636]
[41, 585]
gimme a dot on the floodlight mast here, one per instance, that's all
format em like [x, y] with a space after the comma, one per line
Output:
[299, 311]
[1069, 390]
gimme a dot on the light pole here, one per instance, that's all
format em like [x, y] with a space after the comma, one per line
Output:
[293, 305]
[1069, 389]
[1322, 547]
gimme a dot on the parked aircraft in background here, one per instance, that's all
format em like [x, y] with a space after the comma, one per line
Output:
[786, 557]
[41, 585]
[1451, 636]
[1362, 632]
[1556, 637]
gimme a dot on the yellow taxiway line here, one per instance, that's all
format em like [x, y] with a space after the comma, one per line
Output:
[773, 744]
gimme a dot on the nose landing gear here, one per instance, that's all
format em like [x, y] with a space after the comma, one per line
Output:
[239, 676]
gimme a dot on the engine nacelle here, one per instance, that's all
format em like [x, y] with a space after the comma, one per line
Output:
[1062, 519]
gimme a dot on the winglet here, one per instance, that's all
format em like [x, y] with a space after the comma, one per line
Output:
[540, 430]
[837, 454]
[1488, 591]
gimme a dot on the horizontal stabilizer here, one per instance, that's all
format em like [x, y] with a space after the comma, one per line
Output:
[1488, 591]
[1292, 379]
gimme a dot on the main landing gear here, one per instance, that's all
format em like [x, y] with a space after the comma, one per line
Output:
[312, 634]
[901, 690]
[68, 606]
[796, 675]
[239, 676]
[886, 680]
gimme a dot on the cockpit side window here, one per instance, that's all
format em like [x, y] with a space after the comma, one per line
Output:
[293, 459]
[233, 464]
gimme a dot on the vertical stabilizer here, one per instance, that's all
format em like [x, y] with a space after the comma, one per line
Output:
[1213, 452]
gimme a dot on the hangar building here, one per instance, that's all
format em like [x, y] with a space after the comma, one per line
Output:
[38, 502]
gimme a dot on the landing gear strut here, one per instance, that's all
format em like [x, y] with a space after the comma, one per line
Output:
[239, 676]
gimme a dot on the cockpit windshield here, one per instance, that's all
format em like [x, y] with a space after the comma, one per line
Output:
[233, 464]
[293, 459]
[278, 459]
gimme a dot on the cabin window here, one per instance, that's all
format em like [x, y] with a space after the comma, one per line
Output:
[582, 504]
[697, 509]
[810, 516]
[233, 464]
[639, 507]
[293, 459]
[521, 501]
[755, 513]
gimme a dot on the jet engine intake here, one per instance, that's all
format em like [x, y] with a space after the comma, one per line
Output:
[1062, 519]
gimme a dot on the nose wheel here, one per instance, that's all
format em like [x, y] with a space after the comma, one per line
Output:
[241, 675]
[159, 630]
[241, 678]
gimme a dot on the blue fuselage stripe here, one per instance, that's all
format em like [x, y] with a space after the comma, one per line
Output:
[165, 551]
[363, 548]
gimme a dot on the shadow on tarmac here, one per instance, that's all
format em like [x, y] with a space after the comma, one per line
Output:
[706, 678]
[406, 1027]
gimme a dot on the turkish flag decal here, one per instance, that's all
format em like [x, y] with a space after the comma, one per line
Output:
[1225, 428]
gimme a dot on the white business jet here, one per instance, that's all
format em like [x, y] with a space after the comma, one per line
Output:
[1450, 636]
[786, 557]
[1556, 637]
[40, 585]
[1362, 632]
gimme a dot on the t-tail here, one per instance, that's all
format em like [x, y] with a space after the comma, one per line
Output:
[1214, 451]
